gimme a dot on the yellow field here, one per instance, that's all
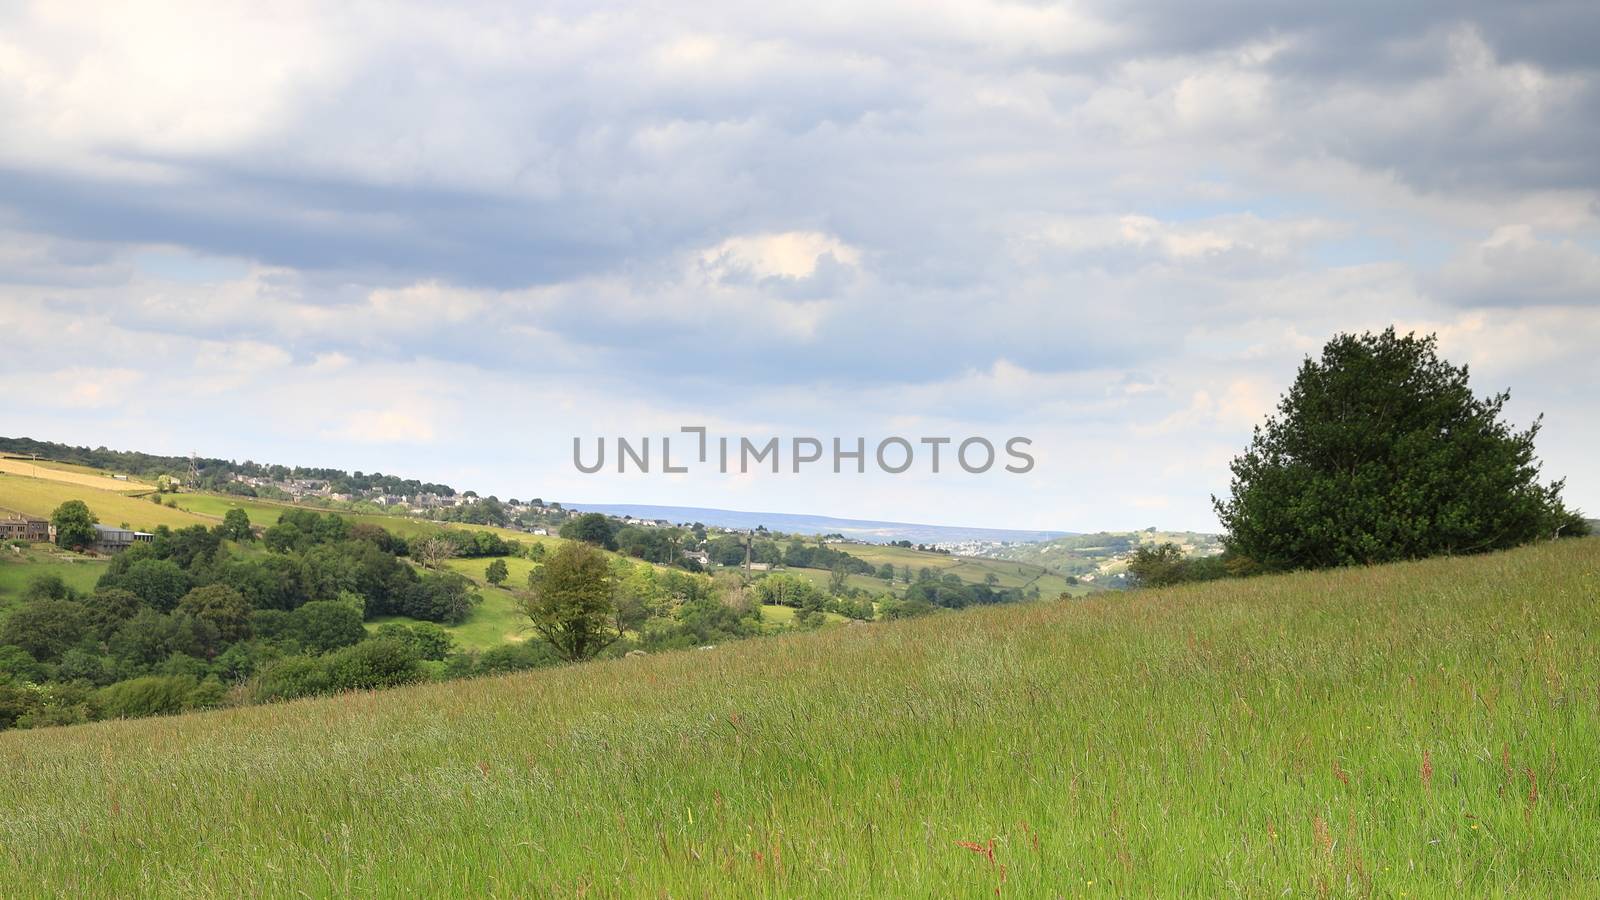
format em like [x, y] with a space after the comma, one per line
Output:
[67, 473]
[39, 497]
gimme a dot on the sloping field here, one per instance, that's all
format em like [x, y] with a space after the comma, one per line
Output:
[968, 568]
[40, 497]
[68, 473]
[1426, 729]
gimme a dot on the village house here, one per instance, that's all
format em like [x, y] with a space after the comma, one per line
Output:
[26, 528]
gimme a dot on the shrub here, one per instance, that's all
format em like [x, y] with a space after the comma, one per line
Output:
[154, 695]
[428, 640]
[373, 664]
[291, 677]
[516, 658]
[440, 597]
[323, 625]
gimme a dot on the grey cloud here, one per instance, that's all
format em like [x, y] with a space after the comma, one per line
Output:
[1515, 267]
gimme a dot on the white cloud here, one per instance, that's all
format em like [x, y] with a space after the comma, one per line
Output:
[1115, 229]
[790, 254]
[385, 426]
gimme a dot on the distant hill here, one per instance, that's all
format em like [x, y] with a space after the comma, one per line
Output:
[1100, 553]
[860, 529]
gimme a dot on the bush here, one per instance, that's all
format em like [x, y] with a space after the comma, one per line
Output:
[291, 677]
[516, 658]
[155, 695]
[373, 664]
[17, 664]
[440, 597]
[243, 659]
[428, 640]
[79, 664]
[323, 625]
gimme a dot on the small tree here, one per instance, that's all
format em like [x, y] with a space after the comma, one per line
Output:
[433, 550]
[74, 524]
[837, 579]
[236, 525]
[223, 607]
[1380, 452]
[570, 602]
[497, 572]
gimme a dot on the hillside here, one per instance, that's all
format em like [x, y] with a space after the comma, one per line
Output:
[1101, 553]
[1416, 729]
[38, 488]
[875, 531]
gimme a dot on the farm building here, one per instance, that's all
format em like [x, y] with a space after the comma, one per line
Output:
[115, 540]
[25, 528]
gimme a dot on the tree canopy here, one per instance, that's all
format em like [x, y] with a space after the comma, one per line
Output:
[1379, 452]
[570, 602]
[74, 524]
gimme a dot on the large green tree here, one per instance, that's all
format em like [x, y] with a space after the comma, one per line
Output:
[570, 601]
[1380, 451]
[74, 524]
[591, 528]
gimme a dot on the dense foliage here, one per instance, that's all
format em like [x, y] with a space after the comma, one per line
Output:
[1165, 564]
[183, 620]
[201, 617]
[74, 524]
[1380, 451]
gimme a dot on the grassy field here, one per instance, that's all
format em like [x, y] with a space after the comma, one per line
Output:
[495, 621]
[967, 568]
[40, 497]
[822, 578]
[1426, 729]
[17, 569]
[775, 618]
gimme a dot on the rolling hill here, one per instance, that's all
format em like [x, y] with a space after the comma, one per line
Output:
[1420, 729]
[792, 523]
[1101, 553]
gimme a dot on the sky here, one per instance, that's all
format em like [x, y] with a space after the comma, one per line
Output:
[442, 241]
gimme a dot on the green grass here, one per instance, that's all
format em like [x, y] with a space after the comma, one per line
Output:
[16, 570]
[517, 569]
[495, 621]
[775, 618]
[1366, 732]
[822, 578]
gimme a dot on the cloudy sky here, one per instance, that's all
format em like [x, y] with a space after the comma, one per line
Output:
[442, 244]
